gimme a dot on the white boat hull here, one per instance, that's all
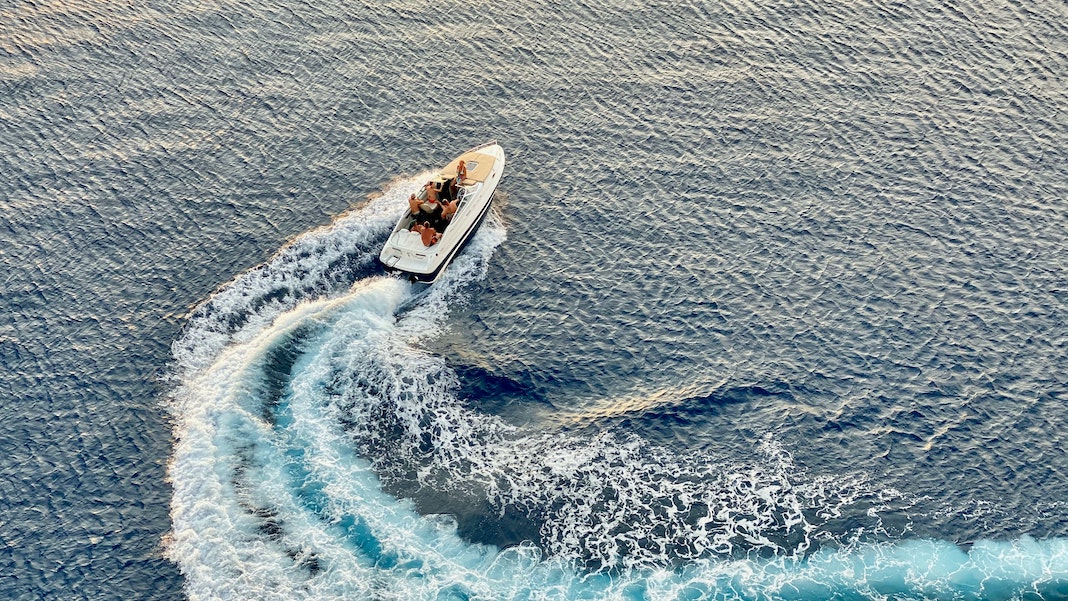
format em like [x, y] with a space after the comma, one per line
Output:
[404, 251]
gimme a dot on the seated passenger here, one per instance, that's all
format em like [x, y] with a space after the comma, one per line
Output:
[448, 209]
[427, 207]
[431, 192]
[427, 234]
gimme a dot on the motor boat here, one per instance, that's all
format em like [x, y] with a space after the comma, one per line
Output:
[422, 255]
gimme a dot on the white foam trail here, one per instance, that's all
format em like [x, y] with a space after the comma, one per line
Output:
[609, 501]
[218, 536]
[317, 263]
[297, 397]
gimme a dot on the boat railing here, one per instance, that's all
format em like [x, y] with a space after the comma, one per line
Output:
[481, 146]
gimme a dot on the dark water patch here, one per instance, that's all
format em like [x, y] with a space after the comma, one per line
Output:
[278, 371]
[675, 418]
[309, 562]
[498, 394]
[273, 527]
[481, 523]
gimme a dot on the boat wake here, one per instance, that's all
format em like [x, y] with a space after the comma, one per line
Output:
[320, 452]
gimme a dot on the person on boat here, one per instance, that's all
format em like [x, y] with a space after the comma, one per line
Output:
[427, 234]
[448, 209]
[461, 175]
[429, 209]
[414, 204]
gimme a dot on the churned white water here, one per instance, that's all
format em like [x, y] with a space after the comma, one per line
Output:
[300, 402]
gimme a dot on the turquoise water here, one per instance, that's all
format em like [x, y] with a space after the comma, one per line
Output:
[771, 304]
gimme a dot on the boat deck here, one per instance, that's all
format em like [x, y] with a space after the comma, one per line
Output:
[479, 166]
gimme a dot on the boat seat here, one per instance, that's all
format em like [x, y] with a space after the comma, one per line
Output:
[410, 240]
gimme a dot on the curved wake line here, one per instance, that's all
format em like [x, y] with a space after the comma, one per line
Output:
[301, 398]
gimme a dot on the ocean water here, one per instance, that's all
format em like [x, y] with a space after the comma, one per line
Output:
[772, 303]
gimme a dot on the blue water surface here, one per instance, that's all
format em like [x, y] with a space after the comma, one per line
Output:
[772, 303]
